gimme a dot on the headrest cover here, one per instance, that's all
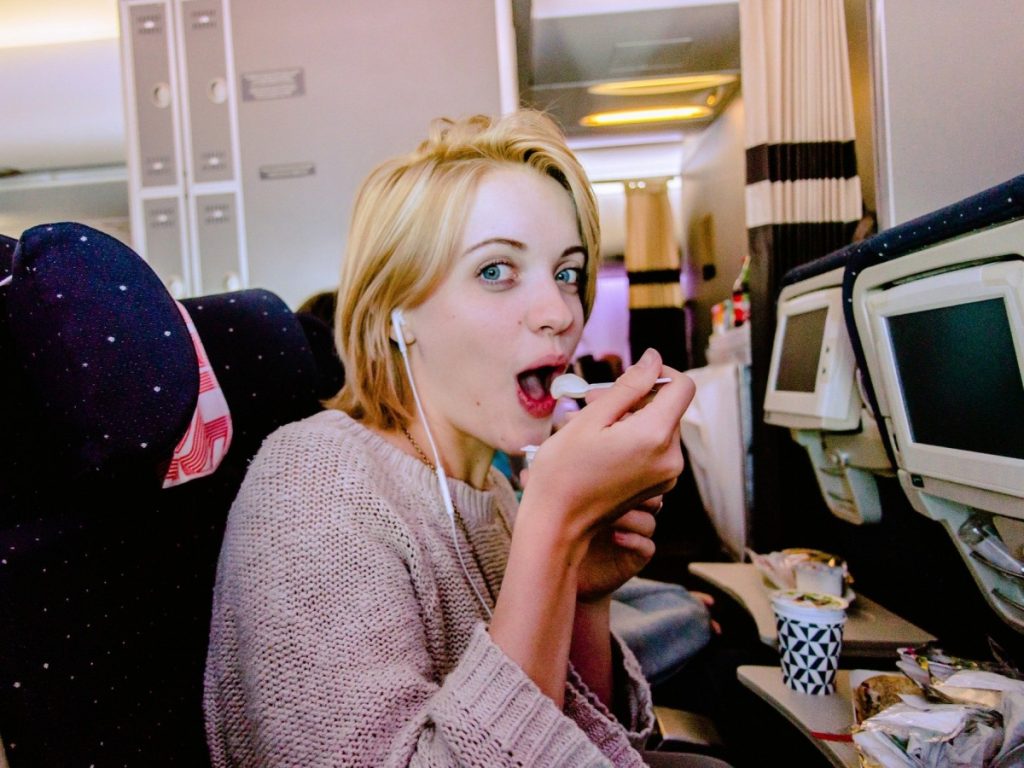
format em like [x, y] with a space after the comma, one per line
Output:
[105, 350]
[203, 447]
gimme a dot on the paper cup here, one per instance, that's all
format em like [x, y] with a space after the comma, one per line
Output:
[810, 630]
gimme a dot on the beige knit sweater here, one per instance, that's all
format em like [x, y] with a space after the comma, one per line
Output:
[344, 632]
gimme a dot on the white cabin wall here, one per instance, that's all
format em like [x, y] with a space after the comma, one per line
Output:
[713, 183]
[376, 73]
[949, 79]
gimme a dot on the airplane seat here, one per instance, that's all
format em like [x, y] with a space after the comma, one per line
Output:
[106, 576]
[330, 372]
[935, 310]
[6, 255]
[815, 390]
[990, 207]
[819, 266]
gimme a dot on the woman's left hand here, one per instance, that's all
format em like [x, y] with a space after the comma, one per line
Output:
[618, 553]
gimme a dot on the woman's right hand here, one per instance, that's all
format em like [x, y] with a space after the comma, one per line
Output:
[620, 450]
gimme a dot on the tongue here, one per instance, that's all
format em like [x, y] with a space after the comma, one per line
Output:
[533, 386]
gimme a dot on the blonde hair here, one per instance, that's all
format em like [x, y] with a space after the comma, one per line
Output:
[406, 225]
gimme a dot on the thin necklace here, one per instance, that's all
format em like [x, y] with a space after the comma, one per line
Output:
[423, 458]
[458, 516]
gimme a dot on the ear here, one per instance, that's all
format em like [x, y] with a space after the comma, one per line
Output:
[400, 332]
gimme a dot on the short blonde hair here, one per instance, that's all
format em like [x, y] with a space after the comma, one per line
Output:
[406, 226]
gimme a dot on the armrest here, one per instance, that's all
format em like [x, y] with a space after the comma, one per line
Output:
[684, 731]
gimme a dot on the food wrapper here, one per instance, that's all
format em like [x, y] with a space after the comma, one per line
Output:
[933, 665]
[978, 687]
[941, 735]
[978, 722]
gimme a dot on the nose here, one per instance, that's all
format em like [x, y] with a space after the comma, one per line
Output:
[549, 310]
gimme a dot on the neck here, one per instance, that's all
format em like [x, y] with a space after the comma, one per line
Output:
[464, 457]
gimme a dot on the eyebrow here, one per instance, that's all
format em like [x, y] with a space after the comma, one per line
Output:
[520, 246]
[496, 241]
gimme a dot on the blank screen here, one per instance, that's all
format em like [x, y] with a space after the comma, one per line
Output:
[801, 348]
[960, 379]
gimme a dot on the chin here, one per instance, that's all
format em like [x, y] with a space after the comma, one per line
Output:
[537, 433]
[514, 440]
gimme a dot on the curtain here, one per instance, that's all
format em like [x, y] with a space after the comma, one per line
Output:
[803, 195]
[656, 315]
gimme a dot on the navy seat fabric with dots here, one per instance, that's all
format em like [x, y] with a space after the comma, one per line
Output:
[6, 255]
[105, 577]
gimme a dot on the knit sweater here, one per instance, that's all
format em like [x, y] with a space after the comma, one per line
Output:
[344, 632]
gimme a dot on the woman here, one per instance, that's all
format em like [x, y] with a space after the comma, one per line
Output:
[359, 618]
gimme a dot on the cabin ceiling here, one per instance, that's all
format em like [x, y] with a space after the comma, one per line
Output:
[564, 46]
[573, 44]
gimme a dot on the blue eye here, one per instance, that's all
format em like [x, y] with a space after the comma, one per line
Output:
[569, 275]
[495, 273]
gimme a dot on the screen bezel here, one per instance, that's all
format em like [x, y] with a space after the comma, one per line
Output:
[997, 280]
[830, 405]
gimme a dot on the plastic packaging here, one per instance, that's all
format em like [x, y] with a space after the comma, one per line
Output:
[980, 535]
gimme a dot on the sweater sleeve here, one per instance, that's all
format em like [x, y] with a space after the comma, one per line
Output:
[616, 740]
[319, 655]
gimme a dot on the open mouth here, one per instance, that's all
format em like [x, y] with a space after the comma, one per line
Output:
[535, 389]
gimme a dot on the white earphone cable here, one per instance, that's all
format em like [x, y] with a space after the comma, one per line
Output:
[442, 480]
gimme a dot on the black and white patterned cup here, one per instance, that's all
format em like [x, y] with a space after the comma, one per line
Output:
[810, 631]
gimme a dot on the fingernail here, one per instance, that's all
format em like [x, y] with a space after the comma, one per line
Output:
[647, 359]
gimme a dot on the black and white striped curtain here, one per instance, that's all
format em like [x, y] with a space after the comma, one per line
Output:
[803, 195]
[656, 315]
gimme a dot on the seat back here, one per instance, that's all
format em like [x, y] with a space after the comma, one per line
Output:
[106, 577]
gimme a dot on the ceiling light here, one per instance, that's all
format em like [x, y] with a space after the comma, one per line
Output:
[661, 85]
[649, 115]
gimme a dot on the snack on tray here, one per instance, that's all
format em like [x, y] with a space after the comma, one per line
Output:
[880, 692]
[779, 570]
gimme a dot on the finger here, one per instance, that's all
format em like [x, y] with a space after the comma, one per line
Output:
[629, 388]
[704, 597]
[652, 505]
[636, 502]
[716, 627]
[636, 521]
[524, 477]
[635, 543]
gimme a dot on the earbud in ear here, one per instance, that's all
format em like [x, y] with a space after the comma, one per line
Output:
[398, 332]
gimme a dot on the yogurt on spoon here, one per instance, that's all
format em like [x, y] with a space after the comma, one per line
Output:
[571, 385]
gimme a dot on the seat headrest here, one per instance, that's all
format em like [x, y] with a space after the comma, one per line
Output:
[6, 255]
[262, 360]
[104, 350]
[110, 366]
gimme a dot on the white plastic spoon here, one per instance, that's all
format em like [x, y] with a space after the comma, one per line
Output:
[571, 385]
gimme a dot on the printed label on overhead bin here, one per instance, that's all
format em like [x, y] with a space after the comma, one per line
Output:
[275, 84]
[287, 171]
